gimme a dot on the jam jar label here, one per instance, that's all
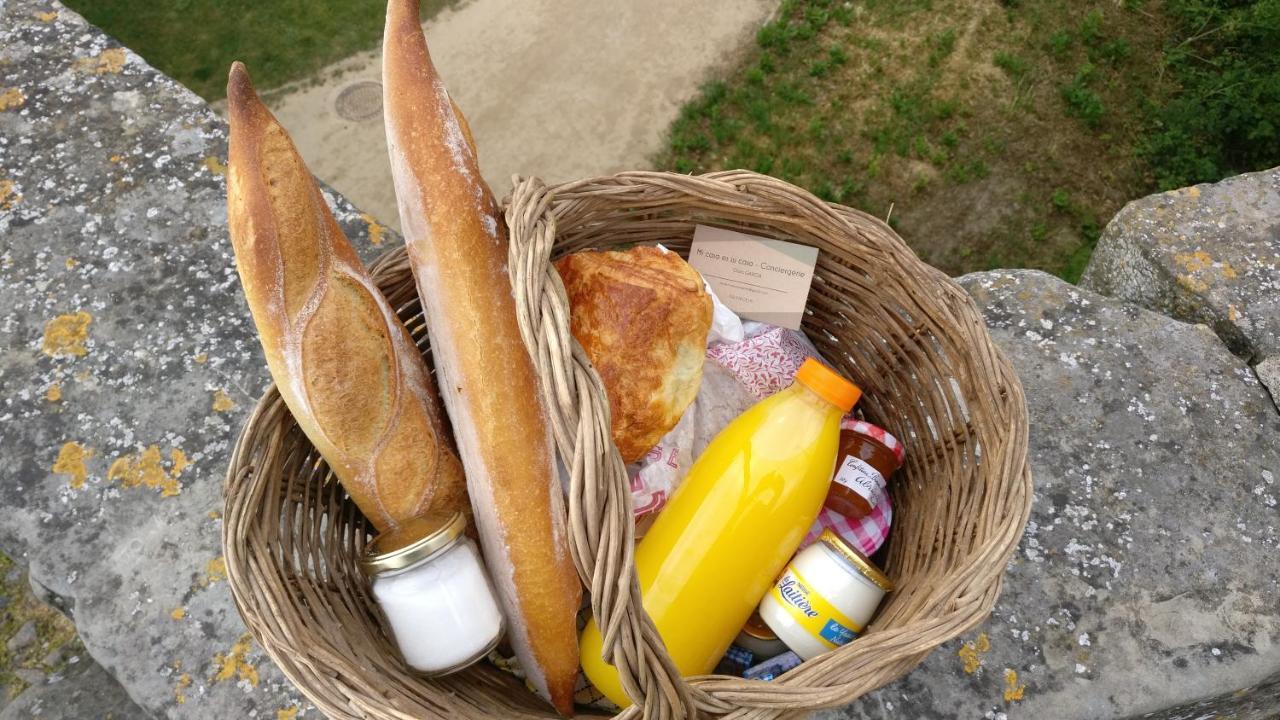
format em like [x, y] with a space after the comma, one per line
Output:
[811, 611]
[855, 474]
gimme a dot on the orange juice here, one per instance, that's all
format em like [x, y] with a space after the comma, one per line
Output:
[732, 526]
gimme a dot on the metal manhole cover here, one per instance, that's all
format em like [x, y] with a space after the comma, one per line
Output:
[360, 100]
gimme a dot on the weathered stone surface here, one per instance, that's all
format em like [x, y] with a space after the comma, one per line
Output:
[1148, 574]
[1206, 254]
[24, 637]
[1268, 372]
[84, 691]
[129, 362]
[1257, 702]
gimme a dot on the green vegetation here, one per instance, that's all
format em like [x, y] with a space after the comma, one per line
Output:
[1000, 135]
[280, 40]
[1225, 118]
[53, 632]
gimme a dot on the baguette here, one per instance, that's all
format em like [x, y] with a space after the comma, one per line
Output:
[344, 364]
[458, 251]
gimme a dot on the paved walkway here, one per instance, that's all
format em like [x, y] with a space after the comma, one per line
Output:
[558, 88]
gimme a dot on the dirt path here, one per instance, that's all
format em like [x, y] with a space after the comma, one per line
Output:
[557, 88]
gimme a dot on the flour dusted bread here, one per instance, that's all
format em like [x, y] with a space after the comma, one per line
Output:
[344, 364]
[642, 316]
[458, 251]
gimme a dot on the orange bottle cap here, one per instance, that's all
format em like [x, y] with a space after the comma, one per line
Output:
[828, 384]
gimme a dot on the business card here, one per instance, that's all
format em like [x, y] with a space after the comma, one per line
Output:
[758, 278]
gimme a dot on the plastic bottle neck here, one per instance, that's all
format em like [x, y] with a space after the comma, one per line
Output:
[812, 398]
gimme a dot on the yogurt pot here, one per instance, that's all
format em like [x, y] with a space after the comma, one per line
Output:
[824, 598]
[429, 581]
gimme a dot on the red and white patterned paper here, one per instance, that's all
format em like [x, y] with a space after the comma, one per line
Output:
[765, 363]
[866, 534]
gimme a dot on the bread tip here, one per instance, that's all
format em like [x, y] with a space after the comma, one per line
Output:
[243, 103]
[403, 11]
[238, 80]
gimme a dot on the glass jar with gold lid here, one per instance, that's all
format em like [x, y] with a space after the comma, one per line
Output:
[430, 583]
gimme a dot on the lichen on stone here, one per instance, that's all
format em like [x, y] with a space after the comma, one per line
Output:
[971, 652]
[66, 335]
[11, 99]
[108, 61]
[147, 469]
[222, 402]
[1013, 690]
[234, 663]
[71, 461]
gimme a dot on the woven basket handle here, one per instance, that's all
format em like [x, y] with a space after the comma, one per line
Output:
[601, 525]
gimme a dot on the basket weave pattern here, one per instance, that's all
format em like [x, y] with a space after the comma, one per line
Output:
[911, 338]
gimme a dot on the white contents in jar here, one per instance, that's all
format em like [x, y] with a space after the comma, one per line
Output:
[442, 610]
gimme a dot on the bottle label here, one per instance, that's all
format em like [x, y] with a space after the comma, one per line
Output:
[812, 612]
[860, 477]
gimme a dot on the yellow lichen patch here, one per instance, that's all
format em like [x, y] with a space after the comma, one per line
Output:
[47, 17]
[9, 196]
[376, 231]
[1228, 272]
[971, 652]
[179, 462]
[116, 158]
[287, 713]
[222, 402]
[66, 335]
[1013, 690]
[184, 682]
[215, 570]
[147, 469]
[11, 99]
[71, 262]
[215, 165]
[54, 393]
[71, 462]
[233, 663]
[1193, 261]
[1193, 284]
[215, 515]
[109, 61]
[1233, 313]
[178, 613]
[201, 359]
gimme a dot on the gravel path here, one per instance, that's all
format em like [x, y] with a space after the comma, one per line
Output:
[562, 89]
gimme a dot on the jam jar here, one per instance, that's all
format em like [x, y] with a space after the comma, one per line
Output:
[867, 459]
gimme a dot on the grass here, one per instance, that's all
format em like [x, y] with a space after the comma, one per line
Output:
[1001, 134]
[280, 40]
[53, 631]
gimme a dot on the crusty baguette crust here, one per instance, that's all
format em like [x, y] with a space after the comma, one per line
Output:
[344, 364]
[458, 251]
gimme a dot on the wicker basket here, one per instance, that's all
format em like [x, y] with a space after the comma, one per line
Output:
[909, 336]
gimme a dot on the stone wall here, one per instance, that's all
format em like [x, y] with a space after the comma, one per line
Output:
[1145, 580]
[1205, 254]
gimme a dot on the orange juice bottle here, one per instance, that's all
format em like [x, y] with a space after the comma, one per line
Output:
[733, 525]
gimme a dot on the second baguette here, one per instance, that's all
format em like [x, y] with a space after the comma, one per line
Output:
[458, 251]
